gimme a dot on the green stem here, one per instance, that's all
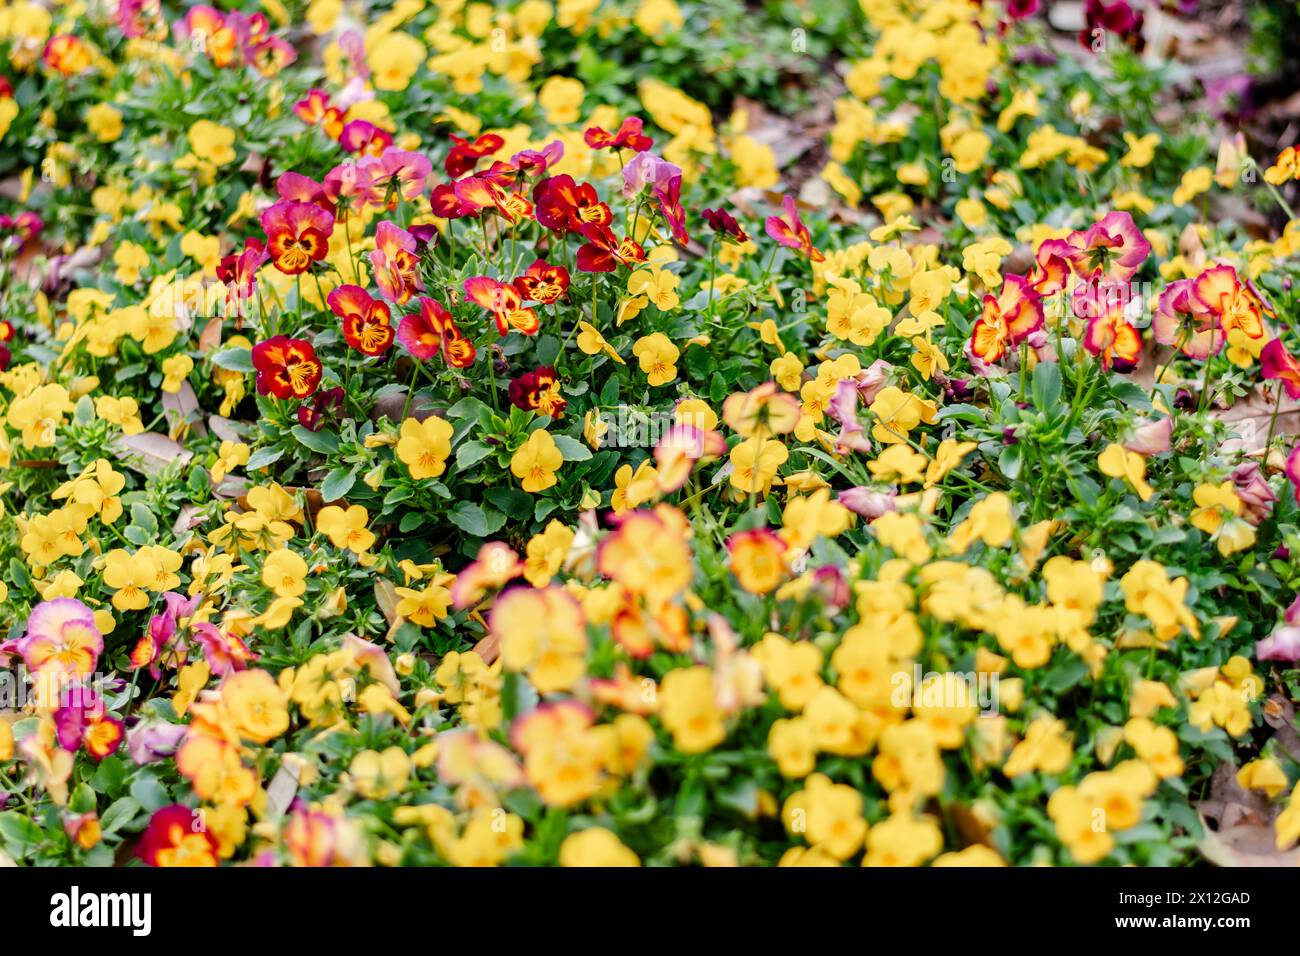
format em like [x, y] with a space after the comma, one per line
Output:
[1272, 421]
[1205, 386]
[713, 268]
[410, 389]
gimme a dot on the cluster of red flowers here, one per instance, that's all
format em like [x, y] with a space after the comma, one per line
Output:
[300, 225]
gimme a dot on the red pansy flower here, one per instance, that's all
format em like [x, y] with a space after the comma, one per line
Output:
[464, 155]
[286, 368]
[629, 135]
[176, 836]
[367, 322]
[788, 230]
[543, 282]
[602, 251]
[538, 391]
[433, 330]
[326, 400]
[238, 273]
[297, 234]
[725, 225]
[446, 204]
[565, 206]
[505, 304]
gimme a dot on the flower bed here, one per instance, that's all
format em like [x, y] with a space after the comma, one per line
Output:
[456, 435]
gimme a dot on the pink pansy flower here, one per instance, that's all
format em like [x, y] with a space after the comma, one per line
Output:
[61, 638]
[1292, 469]
[669, 196]
[1254, 492]
[295, 187]
[408, 173]
[1114, 247]
[1277, 363]
[1051, 272]
[360, 136]
[1151, 438]
[396, 263]
[224, 652]
[352, 186]
[843, 408]
[1282, 645]
[647, 169]
[867, 502]
[788, 230]
[151, 741]
[1177, 322]
[532, 162]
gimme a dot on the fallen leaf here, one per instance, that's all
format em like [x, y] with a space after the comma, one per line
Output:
[488, 648]
[387, 599]
[150, 452]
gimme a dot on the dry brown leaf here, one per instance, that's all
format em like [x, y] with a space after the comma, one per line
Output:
[1245, 845]
[1239, 825]
[1250, 417]
[150, 452]
[387, 599]
[281, 791]
[181, 407]
[210, 337]
[1279, 714]
[227, 430]
[488, 648]
[188, 518]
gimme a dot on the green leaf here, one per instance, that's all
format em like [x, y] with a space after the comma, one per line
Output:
[468, 408]
[324, 442]
[571, 448]
[1046, 386]
[263, 457]
[1066, 675]
[471, 453]
[235, 360]
[476, 520]
[397, 495]
[1011, 460]
[18, 831]
[517, 504]
[109, 776]
[338, 483]
[411, 520]
[119, 814]
[548, 348]
[142, 517]
[149, 793]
